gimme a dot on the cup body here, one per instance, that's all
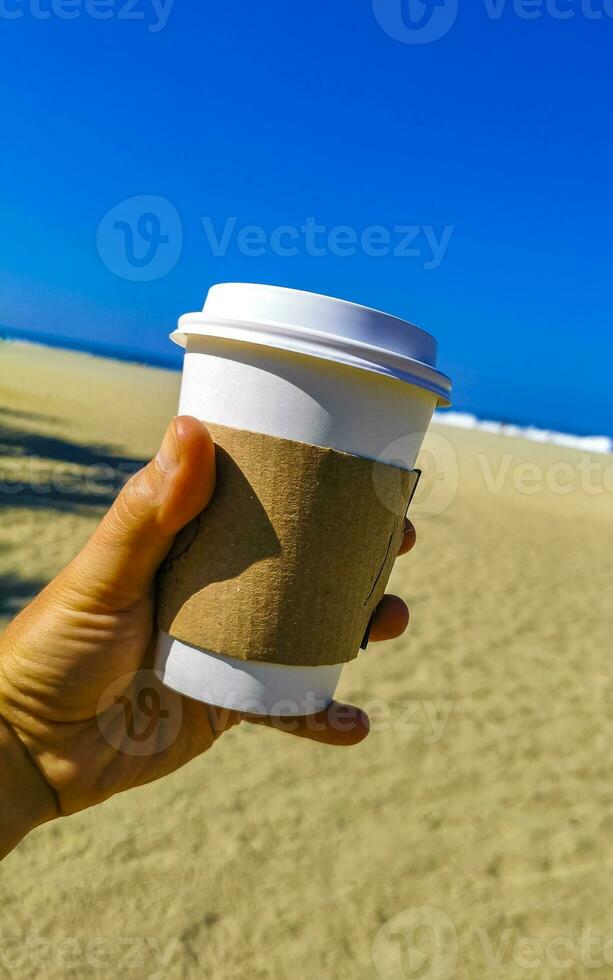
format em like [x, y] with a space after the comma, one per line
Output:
[295, 396]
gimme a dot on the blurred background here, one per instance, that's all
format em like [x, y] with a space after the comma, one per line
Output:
[444, 161]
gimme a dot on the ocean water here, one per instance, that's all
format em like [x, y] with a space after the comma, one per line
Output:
[135, 355]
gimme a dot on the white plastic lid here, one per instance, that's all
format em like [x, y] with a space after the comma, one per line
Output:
[319, 326]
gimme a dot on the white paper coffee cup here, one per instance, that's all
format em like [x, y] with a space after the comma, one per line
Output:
[313, 369]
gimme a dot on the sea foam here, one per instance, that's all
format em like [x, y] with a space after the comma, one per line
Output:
[464, 420]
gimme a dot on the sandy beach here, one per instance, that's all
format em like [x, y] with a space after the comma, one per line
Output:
[484, 793]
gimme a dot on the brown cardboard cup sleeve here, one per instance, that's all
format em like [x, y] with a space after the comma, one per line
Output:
[291, 557]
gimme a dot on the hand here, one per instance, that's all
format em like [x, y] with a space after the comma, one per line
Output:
[90, 635]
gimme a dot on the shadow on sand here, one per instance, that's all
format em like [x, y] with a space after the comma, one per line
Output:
[15, 593]
[43, 472]
[55, 473]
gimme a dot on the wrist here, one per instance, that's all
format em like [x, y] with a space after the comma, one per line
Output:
[26, 800]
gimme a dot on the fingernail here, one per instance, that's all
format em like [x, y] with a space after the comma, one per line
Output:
[168, 455]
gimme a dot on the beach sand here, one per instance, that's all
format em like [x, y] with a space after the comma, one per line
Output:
[484, 793]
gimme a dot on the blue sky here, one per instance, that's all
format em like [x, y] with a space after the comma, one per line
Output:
[491, 148]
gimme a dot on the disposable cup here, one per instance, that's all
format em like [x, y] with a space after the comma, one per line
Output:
[312, 369]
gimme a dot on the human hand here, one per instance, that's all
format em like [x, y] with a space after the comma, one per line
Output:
[72, 662]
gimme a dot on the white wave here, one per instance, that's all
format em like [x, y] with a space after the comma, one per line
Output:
[464, 420]
[17, 342]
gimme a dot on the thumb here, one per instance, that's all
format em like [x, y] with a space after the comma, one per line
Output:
[118, 564]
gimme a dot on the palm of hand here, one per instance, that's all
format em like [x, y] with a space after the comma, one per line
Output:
[91, 712]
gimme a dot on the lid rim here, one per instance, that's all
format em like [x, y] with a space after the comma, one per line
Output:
[353, 353]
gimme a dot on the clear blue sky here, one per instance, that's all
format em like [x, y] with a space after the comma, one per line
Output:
[273, 112]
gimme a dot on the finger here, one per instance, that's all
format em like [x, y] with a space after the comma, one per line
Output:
[391, 618]
[341, 725]
[122, 557]
[409, 537]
